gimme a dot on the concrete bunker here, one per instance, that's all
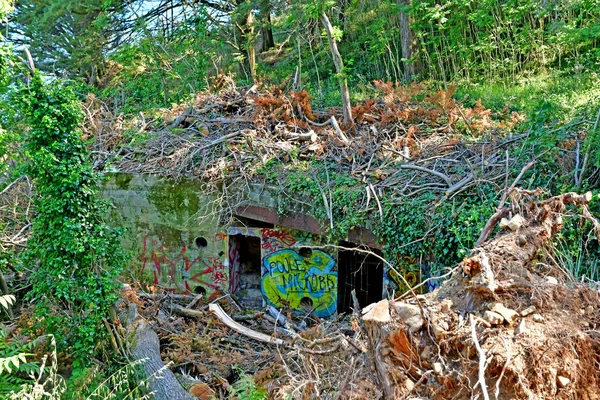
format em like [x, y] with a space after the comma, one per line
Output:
[178, 244]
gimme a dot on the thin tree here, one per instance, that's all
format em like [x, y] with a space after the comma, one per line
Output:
[266, 28]
[407, 41]
[339, 68]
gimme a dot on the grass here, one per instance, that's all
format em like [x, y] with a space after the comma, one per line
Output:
[581, 265]
[559, 97]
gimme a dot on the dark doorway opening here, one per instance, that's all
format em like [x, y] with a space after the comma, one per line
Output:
[361, 272]
[245, 269]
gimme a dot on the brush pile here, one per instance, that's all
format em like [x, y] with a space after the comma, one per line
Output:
[406, 144]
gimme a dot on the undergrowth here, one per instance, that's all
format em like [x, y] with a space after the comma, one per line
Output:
[245, 388]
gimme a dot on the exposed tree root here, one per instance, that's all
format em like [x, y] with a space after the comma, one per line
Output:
[530, 335]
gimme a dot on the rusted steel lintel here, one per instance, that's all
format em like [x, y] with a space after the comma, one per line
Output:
[305, 223]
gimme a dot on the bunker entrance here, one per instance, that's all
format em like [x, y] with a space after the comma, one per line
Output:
[245, 261]
[361, 272]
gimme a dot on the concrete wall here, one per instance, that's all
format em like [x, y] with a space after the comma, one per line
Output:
[171, 233]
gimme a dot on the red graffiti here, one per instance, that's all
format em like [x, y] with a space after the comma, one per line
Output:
[273, 240]
[177, 263]
[234, 265]
[220, 237]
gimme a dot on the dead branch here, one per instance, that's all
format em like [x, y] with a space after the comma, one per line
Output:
[333, 122]
[482, 360]
[10, 185]
[501, 212]
[429, 171]
[177, 121]
[310, 136]
[226, 319]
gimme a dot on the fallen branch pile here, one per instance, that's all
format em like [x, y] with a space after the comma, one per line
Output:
[437, 145]
[205, 352]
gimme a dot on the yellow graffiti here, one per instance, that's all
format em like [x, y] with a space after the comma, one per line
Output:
[410, 274]
[301, 281]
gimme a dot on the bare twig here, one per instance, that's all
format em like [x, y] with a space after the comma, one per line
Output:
[377, 200]
[427, 170]
[482, 360]
[177, 121]
[10, 185]
[501, 212]
[337, 128]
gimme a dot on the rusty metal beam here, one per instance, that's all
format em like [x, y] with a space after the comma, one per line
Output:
[305, 223]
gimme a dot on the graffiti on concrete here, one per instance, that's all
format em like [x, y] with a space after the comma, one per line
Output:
[234, 265]
[275, 239]
[220, 237]
[410, 271]
[290, 279]
[180, 268]
[234, 230]
[431, 275]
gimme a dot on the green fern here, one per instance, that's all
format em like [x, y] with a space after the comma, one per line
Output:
[45, 383]
[247, 389]
[7, 300]
[15, 370]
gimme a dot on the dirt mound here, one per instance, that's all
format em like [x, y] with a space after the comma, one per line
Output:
[505, 325]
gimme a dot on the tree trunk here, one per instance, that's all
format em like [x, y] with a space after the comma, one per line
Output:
[250, 49]
[339, 67]
[245, 25]
[143, 345]
[266, 29]
[408, 43]
[377, 321]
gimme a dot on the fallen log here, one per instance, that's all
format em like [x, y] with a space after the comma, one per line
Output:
[143, 346]
[518, 313]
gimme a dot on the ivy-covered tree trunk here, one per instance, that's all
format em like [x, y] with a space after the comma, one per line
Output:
[75, 257]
